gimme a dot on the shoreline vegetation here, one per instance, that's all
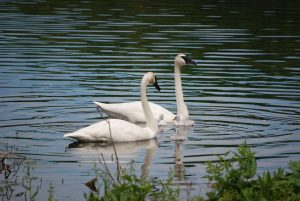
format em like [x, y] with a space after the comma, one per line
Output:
[232, 177]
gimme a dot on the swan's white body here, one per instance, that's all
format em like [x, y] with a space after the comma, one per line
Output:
[118, 130]
[133, 112]
[121, 130]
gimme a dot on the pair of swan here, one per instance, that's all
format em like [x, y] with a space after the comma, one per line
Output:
[133, 111]
[118, 130]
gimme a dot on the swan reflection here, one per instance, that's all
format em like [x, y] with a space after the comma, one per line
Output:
[126, 152]
[178, 138]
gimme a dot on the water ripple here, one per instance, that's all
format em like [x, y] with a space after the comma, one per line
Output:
[55, 61]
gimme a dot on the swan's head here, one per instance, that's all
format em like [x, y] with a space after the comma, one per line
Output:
[182, 60]
[151, 78]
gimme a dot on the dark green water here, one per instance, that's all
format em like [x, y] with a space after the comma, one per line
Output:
[58, 56]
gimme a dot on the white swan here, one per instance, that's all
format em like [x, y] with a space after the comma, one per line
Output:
[133, 111]
[182, 117]
[118, 130]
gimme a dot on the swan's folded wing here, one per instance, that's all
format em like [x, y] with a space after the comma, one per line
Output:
[162, 114]
[131, 111]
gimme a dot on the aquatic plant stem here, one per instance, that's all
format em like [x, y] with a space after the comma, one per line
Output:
[114, 147]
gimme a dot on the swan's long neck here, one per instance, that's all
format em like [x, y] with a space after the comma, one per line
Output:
[182, 111]
[146, 108]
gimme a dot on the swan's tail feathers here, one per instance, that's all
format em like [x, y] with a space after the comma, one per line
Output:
[100, 107]
[98, 104]
[84, 138]
[70, 135]
[77, 136]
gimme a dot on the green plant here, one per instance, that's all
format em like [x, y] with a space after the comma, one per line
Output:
[294, 177]
[166, 190]
[51, 192]
[232, 179]
[230, 175]
[28, 184]
[130, 187]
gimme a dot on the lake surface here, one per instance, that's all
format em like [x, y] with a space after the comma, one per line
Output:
[58, 56]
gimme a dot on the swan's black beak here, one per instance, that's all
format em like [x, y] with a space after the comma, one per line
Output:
[156, 84]
[188, 61]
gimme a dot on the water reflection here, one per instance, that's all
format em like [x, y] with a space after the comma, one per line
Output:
[181, 133]
[126, 152]
[179, 138]
[57, 56]
[178, 160]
